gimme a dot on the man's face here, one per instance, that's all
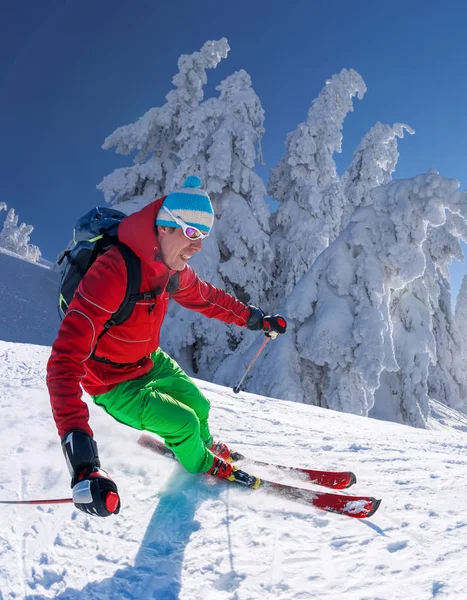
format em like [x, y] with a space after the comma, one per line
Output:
[175, 247]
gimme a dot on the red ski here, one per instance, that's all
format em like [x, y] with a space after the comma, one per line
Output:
[359, 507]
[336, 480]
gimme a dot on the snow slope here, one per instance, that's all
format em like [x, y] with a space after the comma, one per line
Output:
[189, 537]
[28, 300]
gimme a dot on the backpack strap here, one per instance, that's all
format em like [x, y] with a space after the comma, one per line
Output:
[132, 296]
[133, 271]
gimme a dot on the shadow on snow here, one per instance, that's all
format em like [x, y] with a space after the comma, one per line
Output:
[156, 573]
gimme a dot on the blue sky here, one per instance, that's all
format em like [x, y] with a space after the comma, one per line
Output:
[71, 72]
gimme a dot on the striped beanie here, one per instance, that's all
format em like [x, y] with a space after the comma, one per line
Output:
[191, 204]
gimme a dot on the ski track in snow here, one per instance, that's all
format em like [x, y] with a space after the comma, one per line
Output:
[187, 537]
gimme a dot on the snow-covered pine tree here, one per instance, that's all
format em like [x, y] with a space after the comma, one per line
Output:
[221, 144]
[16, 237]
[434, 336]
[306, 184]
[311, 201]
[155, 136]
[372, 165]
[343, 302]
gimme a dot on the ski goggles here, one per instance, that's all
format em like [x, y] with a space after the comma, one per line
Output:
[192, 233]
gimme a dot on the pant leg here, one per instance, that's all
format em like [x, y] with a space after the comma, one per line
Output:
[151, 402]
[169, 378]
[179, 426]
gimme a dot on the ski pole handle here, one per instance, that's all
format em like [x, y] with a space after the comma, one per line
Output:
[236, 389]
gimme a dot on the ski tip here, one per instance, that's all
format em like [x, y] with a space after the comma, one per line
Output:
[352, 480]
[375, 505]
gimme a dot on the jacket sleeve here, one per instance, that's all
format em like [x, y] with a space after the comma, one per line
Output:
[202, 297]
[98, 296]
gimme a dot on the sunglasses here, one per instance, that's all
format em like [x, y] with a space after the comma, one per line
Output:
[192, 233]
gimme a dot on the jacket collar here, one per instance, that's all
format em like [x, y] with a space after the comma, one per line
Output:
[138, 232]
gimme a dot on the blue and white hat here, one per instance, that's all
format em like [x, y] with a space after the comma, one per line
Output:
[191, 204]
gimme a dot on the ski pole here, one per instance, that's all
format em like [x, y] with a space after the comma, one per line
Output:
[236, 389]
[54, 501]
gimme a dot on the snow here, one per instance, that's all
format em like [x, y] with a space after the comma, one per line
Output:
[190, 537]
[28, 300]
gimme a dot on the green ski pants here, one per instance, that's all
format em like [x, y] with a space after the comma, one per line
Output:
[167, 402]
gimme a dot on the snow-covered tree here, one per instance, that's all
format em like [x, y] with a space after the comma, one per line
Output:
[306, 184]
[222, 149]
[221, 145]
[218, 140]
[311, 201]
[372, 165]
[16, 237]
[434, 339]
[343, 333]
[155, 136]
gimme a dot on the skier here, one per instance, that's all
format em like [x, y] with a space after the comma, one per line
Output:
[125, 371]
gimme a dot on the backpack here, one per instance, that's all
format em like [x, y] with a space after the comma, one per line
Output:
[94, 234]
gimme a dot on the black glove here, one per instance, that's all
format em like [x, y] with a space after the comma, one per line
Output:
[96, 494]
[93, 490]
[272, 325]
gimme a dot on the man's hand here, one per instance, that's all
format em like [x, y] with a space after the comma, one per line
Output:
[94, 492]
[272, 325]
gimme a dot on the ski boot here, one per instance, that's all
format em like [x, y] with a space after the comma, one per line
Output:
[224, 470]
[223, 451]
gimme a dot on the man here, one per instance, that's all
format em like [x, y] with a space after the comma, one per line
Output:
[124, 370]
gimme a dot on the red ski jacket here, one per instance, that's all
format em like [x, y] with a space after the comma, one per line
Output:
[99, 294]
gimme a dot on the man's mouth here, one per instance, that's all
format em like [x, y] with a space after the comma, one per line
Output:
[185, 257]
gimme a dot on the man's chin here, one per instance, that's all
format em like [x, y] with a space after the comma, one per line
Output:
[177, 265]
